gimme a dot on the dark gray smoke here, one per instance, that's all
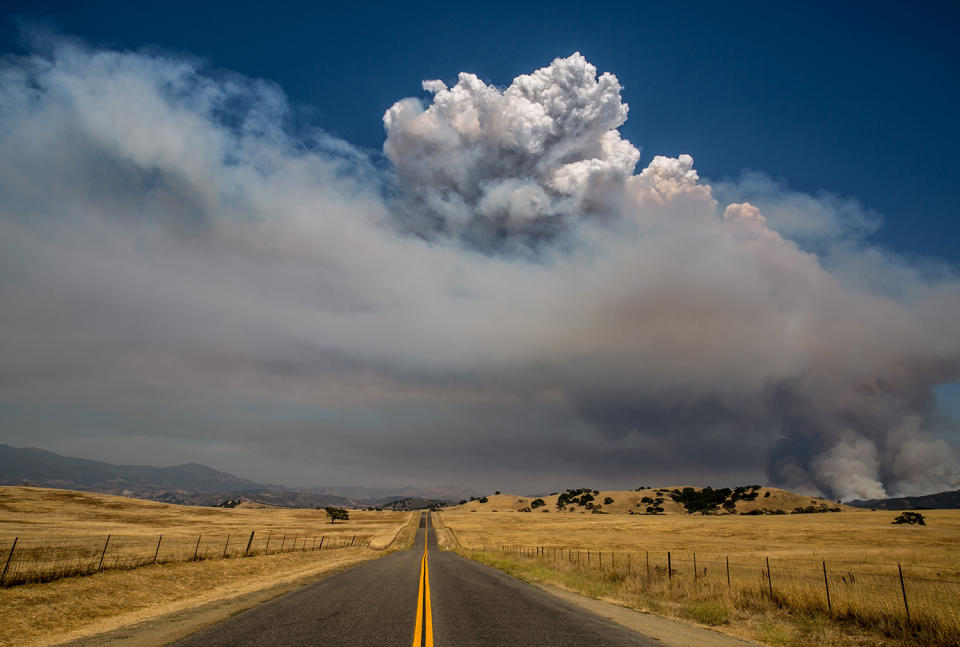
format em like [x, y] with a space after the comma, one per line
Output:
[178, 270]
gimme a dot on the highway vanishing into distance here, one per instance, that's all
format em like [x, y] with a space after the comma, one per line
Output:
[420, 597]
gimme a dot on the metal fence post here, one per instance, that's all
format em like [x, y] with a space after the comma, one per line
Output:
[826, 585]
[903, 589]
[225, 544]
[104, 553]
[728, 571]
[669, 567]
[249, 543]
[9, 557]
[197, 549]
[156, 553]
[694, 567]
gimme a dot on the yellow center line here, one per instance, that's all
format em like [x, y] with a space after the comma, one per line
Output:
[423, 630]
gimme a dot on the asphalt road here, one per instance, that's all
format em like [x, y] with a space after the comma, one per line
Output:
[375, 604]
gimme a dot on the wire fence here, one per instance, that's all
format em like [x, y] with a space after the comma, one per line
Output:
[29, 561]
[913, 596]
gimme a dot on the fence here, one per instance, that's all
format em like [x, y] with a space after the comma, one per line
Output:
[27, 561]
[914, 597]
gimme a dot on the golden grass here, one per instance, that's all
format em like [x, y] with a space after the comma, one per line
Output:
[61, 533]
[861, 550]
[41, 514]
[625, 501]
[52, 523]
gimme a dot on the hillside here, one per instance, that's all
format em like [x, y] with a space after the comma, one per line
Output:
[41, 467]
[940, 501]
[755, 500]
[192, 484]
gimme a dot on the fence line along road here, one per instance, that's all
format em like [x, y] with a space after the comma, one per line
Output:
[27, 561]
[917, 595]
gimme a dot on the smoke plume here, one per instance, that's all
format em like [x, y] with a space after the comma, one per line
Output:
[510, 296]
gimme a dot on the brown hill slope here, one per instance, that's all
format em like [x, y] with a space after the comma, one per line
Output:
[637, 502]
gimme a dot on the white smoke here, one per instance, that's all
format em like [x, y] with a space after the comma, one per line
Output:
[486, 162]
[164, 241]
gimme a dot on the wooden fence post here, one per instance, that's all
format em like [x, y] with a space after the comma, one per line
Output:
[769, 580]
[249, 542]
[104, 553]
[321, 542]
[694, 567]
[225, 544]
[669, 567]
[266, 551]
[156, 553]
[197, 549]
[9, 557]
[903, 589]
[283, 542]
[826, 585]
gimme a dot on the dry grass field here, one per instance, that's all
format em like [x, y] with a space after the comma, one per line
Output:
[623, 558]
[46, 514]
[62, 533]
[69, 607]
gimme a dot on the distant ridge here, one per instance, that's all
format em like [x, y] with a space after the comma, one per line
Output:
[949, 500]
[190, 484]
[41, 467]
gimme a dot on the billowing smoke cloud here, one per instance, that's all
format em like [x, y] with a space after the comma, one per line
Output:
[511, 297]
[493, 165]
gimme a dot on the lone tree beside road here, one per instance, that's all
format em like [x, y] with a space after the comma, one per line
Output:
[337, 514]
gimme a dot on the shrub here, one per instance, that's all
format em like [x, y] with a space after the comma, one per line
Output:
[607, 501]
[709, 612]
[704, 501]
[536, 503]
[482, 499]
[914, 518]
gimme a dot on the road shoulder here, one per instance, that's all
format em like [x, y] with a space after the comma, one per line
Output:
[672, 633]
[157, 630]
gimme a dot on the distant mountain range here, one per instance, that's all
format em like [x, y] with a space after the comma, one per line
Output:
[940, 500]
[193, 483]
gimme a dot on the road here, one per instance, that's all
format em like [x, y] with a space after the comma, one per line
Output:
[420, 597]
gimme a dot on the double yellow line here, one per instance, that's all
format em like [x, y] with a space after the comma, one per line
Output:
[423, 633]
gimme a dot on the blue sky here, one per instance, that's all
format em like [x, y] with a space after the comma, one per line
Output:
[850, 98]
[192, 274]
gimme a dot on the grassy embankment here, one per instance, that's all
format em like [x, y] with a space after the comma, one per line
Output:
[46, 613]
[861, 550]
